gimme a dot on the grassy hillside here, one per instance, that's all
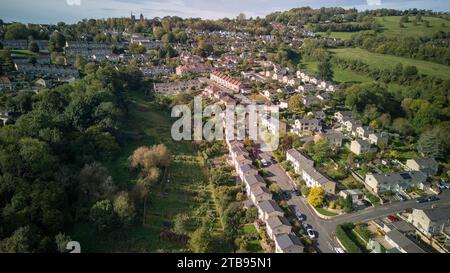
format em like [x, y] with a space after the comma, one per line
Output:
[340, 75]
[391, 27]
[388, 61]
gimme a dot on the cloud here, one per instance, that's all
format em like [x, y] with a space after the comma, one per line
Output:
[374, 2]
[73, 2]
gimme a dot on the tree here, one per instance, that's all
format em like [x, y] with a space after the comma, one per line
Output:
[168, 38]
[61, 241]
[149, 159]
[402, 126]
[124, 208]
[220, 176]
[232, 218]
[158, 32]
[348, 203]
[325, 70]
[295, 104]
[94, 183]
[205, 49]
[200, 241]
[56, 42]
[275, 188]
[316, 197]
[33, 47]
[251, 215]
[16, 31]
[102, 216]
[410, 70]
[19, 242]
[432, 143]
[305, 190]
[404, 19]
[181, 223]
[80, 62]
[322, 150]
[137, 48]
[6, 60]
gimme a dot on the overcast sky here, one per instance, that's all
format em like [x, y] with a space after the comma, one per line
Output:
[70, 11]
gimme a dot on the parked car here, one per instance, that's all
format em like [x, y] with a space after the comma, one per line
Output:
[422, 200]
[400, 196]
[305, 226]
[433, 198]
[285, 195]
[299, 215]
[366, 203]
[392, 218]
[296, 192]
[264, 163]
[339, 250]
[443, 186]
[311, 233]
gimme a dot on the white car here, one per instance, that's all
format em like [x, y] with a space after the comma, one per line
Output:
[311, 234]
[264, 163]
[299, 216]
[339, 250]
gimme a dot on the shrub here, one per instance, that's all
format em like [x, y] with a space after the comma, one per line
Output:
[363, 232]
[348, 244]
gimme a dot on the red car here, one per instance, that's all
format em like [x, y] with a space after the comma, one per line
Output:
[392, 218]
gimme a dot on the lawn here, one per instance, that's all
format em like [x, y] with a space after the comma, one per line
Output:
[383, 61]
[23, 52]
[339, 35]
[253, 246]
[185, 191]
[326, 212]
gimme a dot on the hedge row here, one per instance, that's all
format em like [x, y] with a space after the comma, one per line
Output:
[348, 244]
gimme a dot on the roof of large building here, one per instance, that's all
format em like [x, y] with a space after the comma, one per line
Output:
[252, 179]
[304, 160]
[269, 206]
[247, 167]
[285, 241]
[438, 214]
[317, 176]
[277, 221]
[404, 242]
[424, 162]
[225, 77]
[257, 190]
[399, 176]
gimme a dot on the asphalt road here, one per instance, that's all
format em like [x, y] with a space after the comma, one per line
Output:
[324, 241]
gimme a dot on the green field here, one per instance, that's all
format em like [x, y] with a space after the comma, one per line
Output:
[340, 75]
[186, 192]
[338, 35]
[383, 61]
[390, 27]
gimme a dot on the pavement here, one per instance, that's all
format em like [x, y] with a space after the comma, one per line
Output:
[325, 228]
